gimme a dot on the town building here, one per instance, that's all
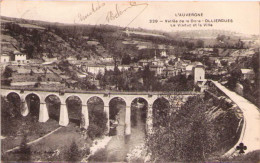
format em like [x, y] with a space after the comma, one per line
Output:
[20, 58]
[135, 67]
[123, 67]
[199, 73]
[158, 70]
[109, 67]
[248, 74]
[169, 71]
[189, 70]
[71, 59]
[143, 62]
[95, 69]
[93, 42]
[47, 59]
[5, 58]
[163, 53]
[107, 59]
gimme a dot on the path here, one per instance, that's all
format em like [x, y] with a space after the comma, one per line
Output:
[34, 141]
[250, 134]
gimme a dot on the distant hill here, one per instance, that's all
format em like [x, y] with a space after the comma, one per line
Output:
[40, 39]
[208, 34]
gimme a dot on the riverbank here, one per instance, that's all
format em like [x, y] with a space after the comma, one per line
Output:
[120, 146]
[97, 145]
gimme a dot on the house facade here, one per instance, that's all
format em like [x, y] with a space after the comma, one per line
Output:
[199, 73]
[20, 58]
[5, 58]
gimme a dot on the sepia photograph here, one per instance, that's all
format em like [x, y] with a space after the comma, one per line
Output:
[129, 81]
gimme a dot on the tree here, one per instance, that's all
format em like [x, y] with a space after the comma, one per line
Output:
[97, 121]
[239, 44]
[171, 62]
[255, 62]
[200, 43]
[99, 75]
[73, 154]
[126, 60]
[8, 72]
[255, 66]
[148, 77]
[224, 63]
[235, 76]
[187, 135]
[221, 37]
[31, 72]
[121, 82]
[78, 57]
[39, 79]
[85, 84]
[189, 45]
[10, 113]
[116, 76]
[30, 50]
[25, 150]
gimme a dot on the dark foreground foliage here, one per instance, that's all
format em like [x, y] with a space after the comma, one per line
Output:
[190, 133]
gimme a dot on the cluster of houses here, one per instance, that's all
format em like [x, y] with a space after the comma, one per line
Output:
[160, 67]
[16, 58]
[9, 52]
[34, 76]
[164, 67]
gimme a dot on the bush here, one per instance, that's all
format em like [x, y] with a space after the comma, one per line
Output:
[73, 153]
[24, 151]
[10, 115]
[186, 135]
[97, 123]
[8, 72]
[94, 131]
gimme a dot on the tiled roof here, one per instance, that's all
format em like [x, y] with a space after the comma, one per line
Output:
[247, 71]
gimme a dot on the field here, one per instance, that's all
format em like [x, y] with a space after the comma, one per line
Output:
[25, 126]
[53, 147]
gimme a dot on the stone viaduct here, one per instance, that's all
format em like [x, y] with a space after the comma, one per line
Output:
[174, 98]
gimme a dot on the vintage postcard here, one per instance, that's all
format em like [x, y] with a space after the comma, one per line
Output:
[129, 81]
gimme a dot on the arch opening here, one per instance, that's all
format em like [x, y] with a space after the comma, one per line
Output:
[53, 105]
[74, 106]
[15, 100]
[33, 103]
[139, 108]
[97, 117]
[117, 114]
[161, 109]
[138, 112]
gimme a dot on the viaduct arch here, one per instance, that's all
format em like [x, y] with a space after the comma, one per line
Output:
[56, 102]
[105, 96]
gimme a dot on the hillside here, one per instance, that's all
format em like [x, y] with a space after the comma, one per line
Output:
[38, 39]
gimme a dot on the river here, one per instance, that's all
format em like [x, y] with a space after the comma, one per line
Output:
[118, 147]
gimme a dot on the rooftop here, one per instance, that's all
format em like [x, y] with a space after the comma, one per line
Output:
[189, 67]
[247, 71]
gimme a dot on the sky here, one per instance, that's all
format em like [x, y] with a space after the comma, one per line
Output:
[244, 15]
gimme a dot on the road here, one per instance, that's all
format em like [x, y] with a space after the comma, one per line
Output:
[250, 134]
